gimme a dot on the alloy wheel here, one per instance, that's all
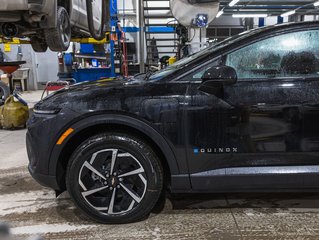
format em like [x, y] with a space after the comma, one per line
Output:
[112, 182]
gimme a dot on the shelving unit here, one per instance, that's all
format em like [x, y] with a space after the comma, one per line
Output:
[94, 59]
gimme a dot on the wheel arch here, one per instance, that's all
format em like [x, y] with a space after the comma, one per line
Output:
[102, 123]
[67, 4]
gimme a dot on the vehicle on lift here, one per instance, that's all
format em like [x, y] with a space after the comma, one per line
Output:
[53, 22]
[238, 116]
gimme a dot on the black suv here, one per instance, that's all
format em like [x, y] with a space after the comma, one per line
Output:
[242, 115]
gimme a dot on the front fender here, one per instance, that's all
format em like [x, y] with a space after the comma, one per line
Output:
[119, 120]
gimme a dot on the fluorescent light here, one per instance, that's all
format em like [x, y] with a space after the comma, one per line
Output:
[221, 12]
[316, 4]
[253, 15]
[233, 3]
[286, 14]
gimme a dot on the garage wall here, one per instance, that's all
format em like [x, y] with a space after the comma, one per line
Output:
[43, 66]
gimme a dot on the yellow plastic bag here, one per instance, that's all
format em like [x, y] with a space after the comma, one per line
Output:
[13, 114]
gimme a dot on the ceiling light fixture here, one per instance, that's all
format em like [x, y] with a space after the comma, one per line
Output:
[233, 3]
[286, 14]
[221, 12]
[250, 15]
[316, 4]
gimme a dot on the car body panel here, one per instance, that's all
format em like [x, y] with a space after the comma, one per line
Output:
[80, 11]
[134, 123]
[252, 135]
[13, 11]
[156, 117]
[252, 124]
[44, 6]
[259, 179]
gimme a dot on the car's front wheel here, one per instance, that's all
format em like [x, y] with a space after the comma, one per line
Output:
[115, 178]
[59, 38]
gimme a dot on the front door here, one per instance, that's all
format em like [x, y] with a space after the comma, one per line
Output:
[254, 128]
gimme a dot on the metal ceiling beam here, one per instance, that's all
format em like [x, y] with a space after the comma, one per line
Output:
[275, 13]
[270, 7]
[269, 2]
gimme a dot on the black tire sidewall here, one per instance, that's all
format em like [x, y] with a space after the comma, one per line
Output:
[6, 92]
[54, 36]
[140, 151]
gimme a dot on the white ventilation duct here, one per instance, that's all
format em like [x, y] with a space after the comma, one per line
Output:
[194, 12]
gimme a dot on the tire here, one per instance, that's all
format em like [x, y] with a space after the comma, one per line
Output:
[128, 191]
[4, 92]
[38, 45]
[59, 38]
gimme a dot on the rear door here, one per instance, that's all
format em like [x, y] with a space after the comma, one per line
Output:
[82, 21]
[97, 13]
[74, 12]
[252, 134]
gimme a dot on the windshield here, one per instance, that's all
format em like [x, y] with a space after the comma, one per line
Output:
[185, 61]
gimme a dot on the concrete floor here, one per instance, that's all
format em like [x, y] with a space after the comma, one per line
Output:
[34, 210]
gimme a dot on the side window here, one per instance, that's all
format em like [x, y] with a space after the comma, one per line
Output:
[289, 55]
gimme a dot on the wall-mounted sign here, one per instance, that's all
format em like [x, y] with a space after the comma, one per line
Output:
[7, 47]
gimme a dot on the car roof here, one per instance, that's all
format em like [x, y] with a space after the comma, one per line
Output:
[293, 24]
[262, 31]
[282, 26]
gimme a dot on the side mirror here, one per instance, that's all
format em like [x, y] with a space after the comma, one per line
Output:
[220, 75]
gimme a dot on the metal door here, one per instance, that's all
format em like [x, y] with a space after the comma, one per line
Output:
[45, 66]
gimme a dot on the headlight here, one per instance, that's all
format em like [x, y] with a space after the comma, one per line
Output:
[46, 111]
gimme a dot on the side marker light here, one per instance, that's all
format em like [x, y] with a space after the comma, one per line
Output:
[64, 136]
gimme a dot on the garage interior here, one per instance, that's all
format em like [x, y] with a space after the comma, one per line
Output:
[144, 36]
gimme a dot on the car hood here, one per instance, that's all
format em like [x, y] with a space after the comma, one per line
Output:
[88, 92]
[105, 84]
